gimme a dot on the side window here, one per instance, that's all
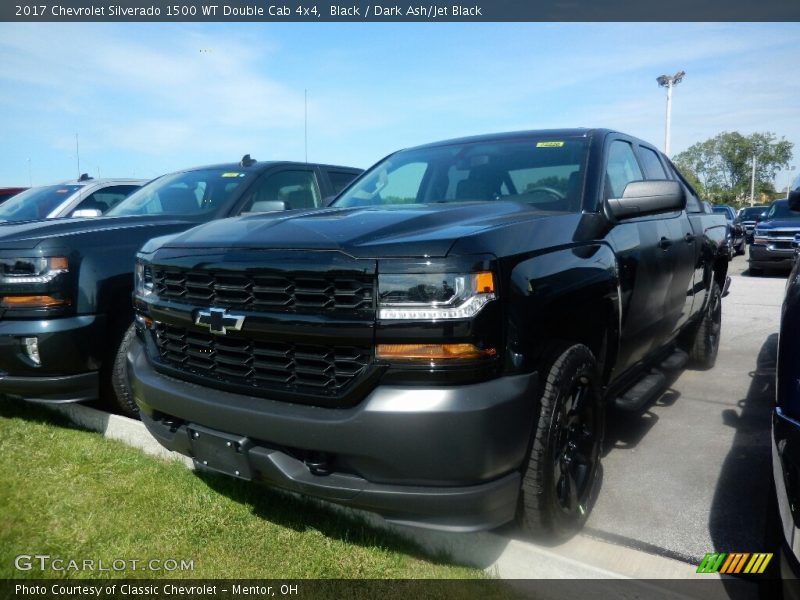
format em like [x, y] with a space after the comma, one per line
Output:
[621, 169]
[106, 198]
[693, 204]
[340, 180]
[296, 189]
[653, 169]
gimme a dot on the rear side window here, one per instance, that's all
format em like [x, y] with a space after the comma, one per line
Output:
[296, 189]
[693, 204]
[653, 169]
[621, 169]
[340, 180]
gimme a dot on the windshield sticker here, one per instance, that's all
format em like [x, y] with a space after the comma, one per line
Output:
[233, 174]
[549, 144]
[62, 191]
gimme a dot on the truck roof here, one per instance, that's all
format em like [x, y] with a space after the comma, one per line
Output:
[263, 164]
[510, 135]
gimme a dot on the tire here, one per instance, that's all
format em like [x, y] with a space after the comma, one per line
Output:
[740, 249]
[755, 271]
[122, 396]
[560, 479]
[705, 345]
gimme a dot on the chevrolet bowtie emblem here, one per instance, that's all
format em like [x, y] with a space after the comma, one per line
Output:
[218, 321]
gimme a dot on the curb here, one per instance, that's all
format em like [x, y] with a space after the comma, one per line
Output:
[582, 557]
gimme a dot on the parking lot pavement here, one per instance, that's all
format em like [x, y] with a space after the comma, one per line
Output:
[692, 473]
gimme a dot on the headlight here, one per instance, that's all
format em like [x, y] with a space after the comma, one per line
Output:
[32, 270]
[760, 236]
[143, 279]
[434, 296]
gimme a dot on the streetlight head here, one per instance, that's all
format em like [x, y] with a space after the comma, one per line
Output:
[663, 80]
[678, 77]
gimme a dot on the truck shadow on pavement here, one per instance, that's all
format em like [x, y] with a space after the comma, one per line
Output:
[743, 517]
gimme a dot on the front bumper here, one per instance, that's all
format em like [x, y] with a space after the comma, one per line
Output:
[445, 457]
[70, 351]
[767, 256]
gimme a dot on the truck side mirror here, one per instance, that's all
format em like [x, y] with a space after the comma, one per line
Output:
[87, 212]
[266, 206]
[642, 198]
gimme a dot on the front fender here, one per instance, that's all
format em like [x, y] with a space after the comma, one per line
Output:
[567, 294]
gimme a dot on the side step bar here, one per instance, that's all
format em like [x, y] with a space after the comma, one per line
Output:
[645, 391]
[726, 288]
[675, 361]
[652, 385]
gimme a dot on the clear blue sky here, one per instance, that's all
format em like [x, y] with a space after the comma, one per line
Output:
[146, 99]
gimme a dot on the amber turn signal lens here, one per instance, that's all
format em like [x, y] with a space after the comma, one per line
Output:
[58, 263]
[484, 282]
[433, 352]
[31, 302]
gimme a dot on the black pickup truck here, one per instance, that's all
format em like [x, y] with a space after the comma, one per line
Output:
[66, 284]
[444, 339]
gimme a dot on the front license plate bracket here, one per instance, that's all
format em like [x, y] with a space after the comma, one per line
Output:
[220, 452]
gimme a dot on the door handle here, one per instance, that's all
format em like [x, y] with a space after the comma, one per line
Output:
[664, 243]
[688, 238]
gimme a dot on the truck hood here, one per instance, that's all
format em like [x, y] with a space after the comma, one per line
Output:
[29, 234]
[386, 231]
[780, 224]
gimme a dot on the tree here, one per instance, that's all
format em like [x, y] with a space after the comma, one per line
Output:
[722, 165]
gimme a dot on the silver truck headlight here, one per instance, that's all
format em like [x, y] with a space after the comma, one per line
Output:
[32, 270]
[143, 280]
[434, 296]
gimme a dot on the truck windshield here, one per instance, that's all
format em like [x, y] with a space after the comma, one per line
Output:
[752, 212]
[36, 203]
[186, 193]
[544, 173]
[781, 210]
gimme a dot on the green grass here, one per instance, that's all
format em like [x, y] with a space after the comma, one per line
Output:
[71, 493]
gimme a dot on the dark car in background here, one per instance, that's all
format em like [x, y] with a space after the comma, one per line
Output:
[66, 284]
[748, 217]
[9, 192]
[773, 239]
[786, 418]
[735, 236]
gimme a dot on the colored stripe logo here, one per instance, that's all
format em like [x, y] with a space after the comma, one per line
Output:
[735, 563]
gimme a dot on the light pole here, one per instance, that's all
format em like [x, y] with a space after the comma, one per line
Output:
[753, 182]
[669, 81]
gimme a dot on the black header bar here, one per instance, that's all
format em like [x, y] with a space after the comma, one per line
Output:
[313, 11]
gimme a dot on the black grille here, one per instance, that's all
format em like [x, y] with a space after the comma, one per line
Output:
[781, 245]
[284, 291]
[262, 365]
